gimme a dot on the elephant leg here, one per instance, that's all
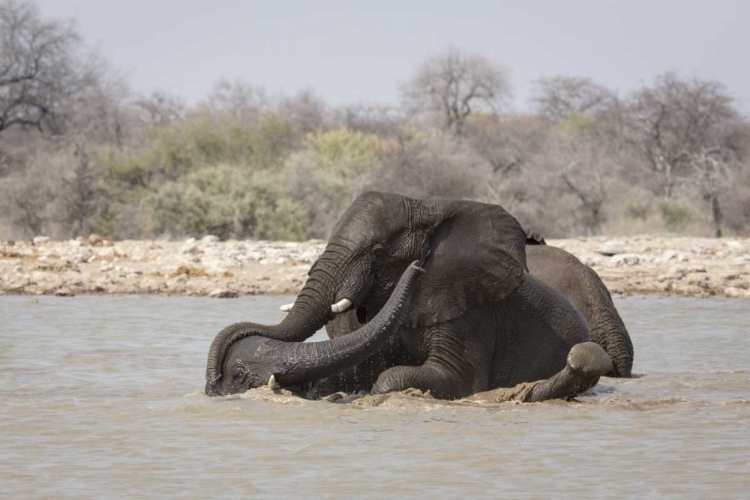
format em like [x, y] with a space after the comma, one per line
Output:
[439, 381]
[586, 363]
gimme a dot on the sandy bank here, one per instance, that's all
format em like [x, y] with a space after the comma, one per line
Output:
[634, 265]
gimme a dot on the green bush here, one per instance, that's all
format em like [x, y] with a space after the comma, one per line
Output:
[229, 202]
[326, 174]
[675, 214]
[202, 141]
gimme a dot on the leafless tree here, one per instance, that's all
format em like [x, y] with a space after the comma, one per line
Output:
[507, 142]
[41, 66]
[453, 85]
[675, 120]
[239, 99]
[712, 173]
[384, 121]
[431, 167]
[26, 199]
[305, 112]
[160, 109]
[558, 97]
[81, 196]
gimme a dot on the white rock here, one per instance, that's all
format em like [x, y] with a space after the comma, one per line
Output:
[40, 239]
[209, 238]
[190, 248]
[736, 292]
[669, 255]
[625, 259]
[611, 248]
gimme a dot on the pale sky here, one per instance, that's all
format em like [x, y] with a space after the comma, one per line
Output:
[349, 51]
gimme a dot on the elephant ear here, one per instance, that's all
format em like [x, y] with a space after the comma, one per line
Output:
[475, 254]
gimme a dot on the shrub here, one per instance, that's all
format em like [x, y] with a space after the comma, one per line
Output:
[326, 174]
[227, 201]
[675, 214]
[637, 210]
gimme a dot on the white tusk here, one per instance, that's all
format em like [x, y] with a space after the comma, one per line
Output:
[272, 383]
[341, 306]
[287, 307]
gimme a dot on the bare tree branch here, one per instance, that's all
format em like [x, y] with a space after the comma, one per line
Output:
[454, 85]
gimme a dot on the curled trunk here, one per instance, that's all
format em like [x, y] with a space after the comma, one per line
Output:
[311, 311]
[299, 361]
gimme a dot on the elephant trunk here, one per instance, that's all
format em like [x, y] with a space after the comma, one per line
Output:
[311, 311]
[303, 362]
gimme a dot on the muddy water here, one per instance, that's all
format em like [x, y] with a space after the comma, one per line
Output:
[101, 397]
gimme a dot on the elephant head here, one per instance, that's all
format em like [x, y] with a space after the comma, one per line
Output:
[472, 253]
[254, 361]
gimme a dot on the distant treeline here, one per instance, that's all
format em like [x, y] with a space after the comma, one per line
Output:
[81, 153]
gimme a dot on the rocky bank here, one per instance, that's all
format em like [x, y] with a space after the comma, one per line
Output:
[698, 267]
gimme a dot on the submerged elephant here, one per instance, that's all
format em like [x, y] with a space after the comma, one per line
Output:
[475, 321]
[583, 287]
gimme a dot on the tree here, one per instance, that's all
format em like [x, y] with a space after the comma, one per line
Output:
[712, 172]
[160, 109]
[239, 100]
[81, 196]
[558, 97]
[455, 84]
[40, 67]
[507, 142]
[304, 111]
[675, 120]
[25, 199]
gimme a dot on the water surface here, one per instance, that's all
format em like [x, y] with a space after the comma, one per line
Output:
[101, 397]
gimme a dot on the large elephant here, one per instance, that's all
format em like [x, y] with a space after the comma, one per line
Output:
[476, 320]
[555, 267]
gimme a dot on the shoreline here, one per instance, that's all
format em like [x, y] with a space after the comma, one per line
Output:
[636, 265]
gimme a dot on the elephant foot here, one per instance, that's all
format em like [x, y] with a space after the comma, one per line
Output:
[586, 363]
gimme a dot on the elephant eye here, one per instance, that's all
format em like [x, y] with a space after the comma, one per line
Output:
[380, 252]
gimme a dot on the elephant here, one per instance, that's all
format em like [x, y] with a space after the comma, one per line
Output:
[555, 267]
[583, 287]
[476, 320]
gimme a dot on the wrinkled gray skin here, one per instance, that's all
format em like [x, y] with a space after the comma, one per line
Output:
[583, 287]
[555, 267]
[477, 319]
[251, 361]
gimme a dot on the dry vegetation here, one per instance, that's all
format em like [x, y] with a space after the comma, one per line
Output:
[80, 153]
